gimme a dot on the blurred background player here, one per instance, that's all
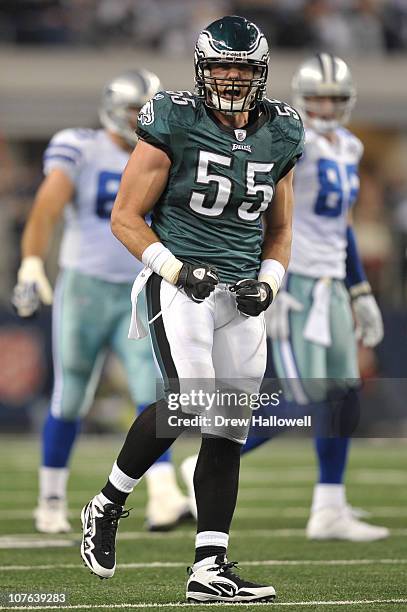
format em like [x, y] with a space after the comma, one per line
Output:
[311, 321]
[91, 308]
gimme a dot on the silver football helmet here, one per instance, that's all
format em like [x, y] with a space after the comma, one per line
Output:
[324, 76]
[123, 96]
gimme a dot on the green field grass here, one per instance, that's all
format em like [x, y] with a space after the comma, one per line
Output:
[267, 537]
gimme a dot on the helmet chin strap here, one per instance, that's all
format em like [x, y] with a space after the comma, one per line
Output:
[225, 104]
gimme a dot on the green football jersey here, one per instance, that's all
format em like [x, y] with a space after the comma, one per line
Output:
[221, 179]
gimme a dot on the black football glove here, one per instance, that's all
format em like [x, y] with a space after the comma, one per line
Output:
[198, 281]
[252, 296]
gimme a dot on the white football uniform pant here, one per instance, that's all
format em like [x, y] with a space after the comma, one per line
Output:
[208, 345]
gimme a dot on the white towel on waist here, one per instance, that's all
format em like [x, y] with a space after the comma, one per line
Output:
[317, 328]
[137, 329]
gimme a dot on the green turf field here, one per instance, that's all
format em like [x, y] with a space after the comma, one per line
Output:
[267, 538]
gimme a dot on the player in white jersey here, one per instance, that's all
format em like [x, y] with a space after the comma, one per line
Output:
[310, 322]
[91, 306]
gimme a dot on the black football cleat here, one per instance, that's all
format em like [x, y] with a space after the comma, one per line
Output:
[100, 524]
[216, 582]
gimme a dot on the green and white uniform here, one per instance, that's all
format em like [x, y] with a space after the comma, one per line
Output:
[221, 179]
[220, 182]
[321, 343]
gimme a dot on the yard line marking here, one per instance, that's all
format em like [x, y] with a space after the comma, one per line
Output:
[176, 564]
[264, 473]
[11, 543]
[302, 513]
[10, 515]
[36, 541]
[144, 606]
[242, 511]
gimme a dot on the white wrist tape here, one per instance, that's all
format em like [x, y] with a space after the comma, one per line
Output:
[272, 272]
[31, 266]
[162, 262]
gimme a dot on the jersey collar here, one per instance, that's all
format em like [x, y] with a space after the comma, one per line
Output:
[256, 121]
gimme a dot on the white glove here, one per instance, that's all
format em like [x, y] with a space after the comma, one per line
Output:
[369, 322]
[277, 315]
[32, 288]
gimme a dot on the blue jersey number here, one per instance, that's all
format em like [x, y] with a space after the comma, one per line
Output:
[331, 193]
[108, 186]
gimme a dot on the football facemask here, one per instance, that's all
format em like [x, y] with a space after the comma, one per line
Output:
[228, 42]
[319, 78]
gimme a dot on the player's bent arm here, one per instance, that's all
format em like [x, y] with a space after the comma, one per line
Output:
[278, 234]
[54, 193]
[143, 181]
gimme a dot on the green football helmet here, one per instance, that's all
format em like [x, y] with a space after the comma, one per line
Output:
[227, 41]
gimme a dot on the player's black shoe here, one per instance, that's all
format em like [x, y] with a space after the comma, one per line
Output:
[216, 582]
[100, 524]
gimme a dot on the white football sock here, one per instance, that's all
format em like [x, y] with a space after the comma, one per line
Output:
[121, 481]
[211, 538]
[53, 482]
[328, 495]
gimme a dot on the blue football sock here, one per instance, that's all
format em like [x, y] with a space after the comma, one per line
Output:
[165, 457]
[58, 437]
[332, 455]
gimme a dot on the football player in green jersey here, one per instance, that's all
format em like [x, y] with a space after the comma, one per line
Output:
[209, 167]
